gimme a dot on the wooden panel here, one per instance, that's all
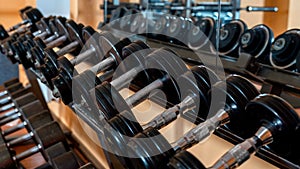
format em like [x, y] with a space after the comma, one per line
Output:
[277, 21]
[294, 13]
[252, 18]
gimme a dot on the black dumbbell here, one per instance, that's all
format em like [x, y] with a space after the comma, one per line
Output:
[194, 101]
[17, 102]
[30, 121]
[59, 162]
[274, 119]
[87, 80]
[156, 143]
[117, 13]
[161, 27]
[112, 59]
[69, 31]
[178, 29]
[257, 42]
[126, 20]
[64, 67]
[285, 50]
[161, 74]
[230, 34]
[141, 25]
[185, 160]
[45, 136]
[202, 33]
[10, 89]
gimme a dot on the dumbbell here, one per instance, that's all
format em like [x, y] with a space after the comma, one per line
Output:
[202, 33]
[230, 34]
[274, 119]
[178, 29]
[45, 136]
[257, 42]
[126, 20]
[59, 162]
[155, 143]
[71, 32]
[123, 125]
[161, 65]
[185, 160]
[285, 50]
[31, 121]
[10, 89]
[141, 25]
[8, 83]
[117, 13]
[159, 30]
[30, 16]
[63, 82]
[24, 99]
[25, 113]
[94, 51]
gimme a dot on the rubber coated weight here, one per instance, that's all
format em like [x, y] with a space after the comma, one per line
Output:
[126, 20]
[298, 63]
[11, 82]
[201, 33]
[285, 50]
[185, 160]
[230, 34]
[60, 161]
[257, 41]
[119, 12]
[178, 29]
[161, 26]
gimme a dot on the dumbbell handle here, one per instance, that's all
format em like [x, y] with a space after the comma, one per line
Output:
[18, 25]
[51, 38]
[104, 64]
[3, 93]
[14, 129]
[170, 114]
[21, 139]
[123, 80]
[9, 113]
[10, 119]
[242, 152]
[136, 98]
[57, 41]
[66, 49]
[27, 153]
[202, 131]
[5, 100]
[7, 106]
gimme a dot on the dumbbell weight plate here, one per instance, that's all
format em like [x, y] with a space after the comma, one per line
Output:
[116, 14]
[65, 161]
[298, 63]
[148, 148]
[127, 19]
[11, 82]
[257, 41]
[282, 119]
[229, 37]
[185, 160]
[5, 158]
[285, 50]
[75, 34]
[201, 32]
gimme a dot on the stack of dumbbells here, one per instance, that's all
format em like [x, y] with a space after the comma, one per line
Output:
[19, 104]
[262, 121]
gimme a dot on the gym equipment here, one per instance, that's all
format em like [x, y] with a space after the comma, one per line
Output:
[45, 136]
[257, 42]
[285, 50]
[202, 32]
[161, 64]
[17, 102]
[112, 59]
[230, 34]
[275, 120]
